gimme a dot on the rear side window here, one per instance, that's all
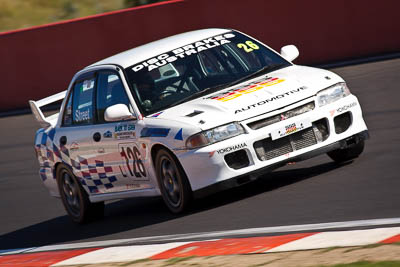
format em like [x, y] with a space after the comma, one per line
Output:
[110, 92]
[82, 103]
[67, 119]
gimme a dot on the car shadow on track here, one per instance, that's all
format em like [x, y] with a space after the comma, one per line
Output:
[265, 183]
[130, 214]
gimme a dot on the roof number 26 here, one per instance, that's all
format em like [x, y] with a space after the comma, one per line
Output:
[248, 46]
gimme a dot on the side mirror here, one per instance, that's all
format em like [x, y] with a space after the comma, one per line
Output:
[289, 52]
[118, 112]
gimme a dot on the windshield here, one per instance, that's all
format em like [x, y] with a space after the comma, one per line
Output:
[199, 68]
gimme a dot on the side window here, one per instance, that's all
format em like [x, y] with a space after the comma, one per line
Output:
[67, 119]
[110, 91]
[82, 103]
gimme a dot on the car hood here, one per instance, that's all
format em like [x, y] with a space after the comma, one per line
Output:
[252, 97]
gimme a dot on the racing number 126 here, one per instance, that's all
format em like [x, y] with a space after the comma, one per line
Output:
[133, 160]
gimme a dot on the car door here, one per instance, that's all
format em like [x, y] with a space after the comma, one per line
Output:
[118, 148]
[74, 140]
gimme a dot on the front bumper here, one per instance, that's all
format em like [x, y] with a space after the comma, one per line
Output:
[243, 179]
[257, 152]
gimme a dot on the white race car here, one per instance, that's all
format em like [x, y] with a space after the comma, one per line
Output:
[187, 115]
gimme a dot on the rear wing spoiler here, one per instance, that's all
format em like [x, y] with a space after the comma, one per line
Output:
[45, 122]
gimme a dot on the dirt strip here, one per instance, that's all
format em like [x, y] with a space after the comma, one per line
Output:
[328, 256]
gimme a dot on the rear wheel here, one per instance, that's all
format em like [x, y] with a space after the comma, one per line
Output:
[74, 198]
[346, 154]
[174, 185]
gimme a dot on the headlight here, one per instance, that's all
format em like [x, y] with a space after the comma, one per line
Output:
[214, 135]
[331, 94]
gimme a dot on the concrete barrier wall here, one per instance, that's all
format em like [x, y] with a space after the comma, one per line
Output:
[40, 61]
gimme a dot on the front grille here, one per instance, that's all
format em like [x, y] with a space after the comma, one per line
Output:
[267, 149]
[283, 116]
[303, 139]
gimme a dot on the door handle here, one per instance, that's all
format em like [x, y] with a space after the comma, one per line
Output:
[63, 140]
[97, 137]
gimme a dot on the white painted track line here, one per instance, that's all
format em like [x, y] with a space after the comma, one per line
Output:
[339, 239]
[120, 254]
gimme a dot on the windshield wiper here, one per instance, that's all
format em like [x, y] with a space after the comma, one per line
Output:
[263, 70]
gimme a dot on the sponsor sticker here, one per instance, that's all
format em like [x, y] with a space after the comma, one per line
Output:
[124, 127]
[84, 105]
[136, 186]
[290, 129]
[346, 107]
[87, 85]
[124, 131]
[343, 109]
[182, 52]
[107, 134]
[82, 115]
[271, 99]
[246, 89]
[231, 148]
[125, 135]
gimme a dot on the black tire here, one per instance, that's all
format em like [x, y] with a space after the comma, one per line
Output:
[346, 154]
[74, 198]
[174, 185]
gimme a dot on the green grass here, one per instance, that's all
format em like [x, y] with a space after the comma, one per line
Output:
[328, 250]
[366, 264]
[364, 247]
[134, 262]
[173, 261]
[264, 263]
[371, 246]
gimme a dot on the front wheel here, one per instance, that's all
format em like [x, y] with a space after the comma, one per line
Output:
[346, 154]
[174, 185]
[75, 199]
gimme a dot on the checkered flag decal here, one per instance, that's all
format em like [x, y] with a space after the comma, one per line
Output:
[94, 176]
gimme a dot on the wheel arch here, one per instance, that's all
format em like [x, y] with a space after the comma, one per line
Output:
[62, 164]
[57, 165]
[155, 148]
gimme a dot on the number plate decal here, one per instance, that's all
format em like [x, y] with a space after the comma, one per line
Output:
[290, 129]
[133, 165]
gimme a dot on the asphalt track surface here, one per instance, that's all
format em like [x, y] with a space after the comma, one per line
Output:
[314, 191]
